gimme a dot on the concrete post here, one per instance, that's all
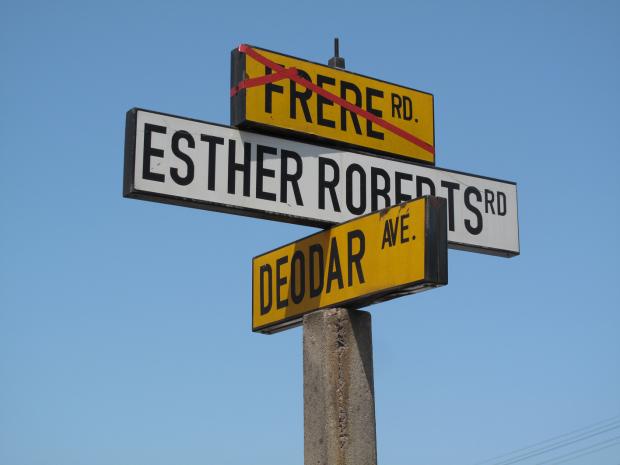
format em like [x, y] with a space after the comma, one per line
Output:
[339, 400]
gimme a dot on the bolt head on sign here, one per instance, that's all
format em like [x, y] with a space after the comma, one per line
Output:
[393, 252]
[284, 95]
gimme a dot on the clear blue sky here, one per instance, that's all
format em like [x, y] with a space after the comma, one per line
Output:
[125, 325]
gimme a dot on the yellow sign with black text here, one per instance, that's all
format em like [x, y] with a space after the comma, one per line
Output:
[286, 95]
[393, 252]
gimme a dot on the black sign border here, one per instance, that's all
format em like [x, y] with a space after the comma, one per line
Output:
[238, 107]
[130, 191]
[435, 265]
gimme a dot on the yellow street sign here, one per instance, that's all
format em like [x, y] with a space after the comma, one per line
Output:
[393, 252]
[282, 94]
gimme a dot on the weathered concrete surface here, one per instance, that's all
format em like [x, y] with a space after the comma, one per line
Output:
[339, 401]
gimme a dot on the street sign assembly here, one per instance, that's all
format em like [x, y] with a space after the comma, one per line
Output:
[197, 164]
[281, 94]
[365, 171]
[397, 251]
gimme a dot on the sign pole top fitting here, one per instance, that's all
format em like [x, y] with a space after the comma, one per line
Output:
[336, 61]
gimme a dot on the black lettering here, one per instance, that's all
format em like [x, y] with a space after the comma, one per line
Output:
[213, 141]
[361, 208]
[388, 233]
[320, 101]
[262, 172]
[398, 194]
[386, 236]
[189, 170]
[370, 93]
[329, 185]
[303, 97]
[451, 186]
[397, 102]
[245, 167]
[478, 228]
[344, 87]
[356, 257]
[149, 152]
[293, 178]
[407, 108]
[423, 181]
[334, 271]
[280, 281]
[501, 204]
[394, 230]
[375, 192]
[269, 89]
[316, 288]
[297, 293]
[403, 228]
[489, 198]
[265, 306]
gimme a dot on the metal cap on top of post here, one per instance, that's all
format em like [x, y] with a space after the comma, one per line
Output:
[336, 61]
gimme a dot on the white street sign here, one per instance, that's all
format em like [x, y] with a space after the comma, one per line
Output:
[202, 165]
